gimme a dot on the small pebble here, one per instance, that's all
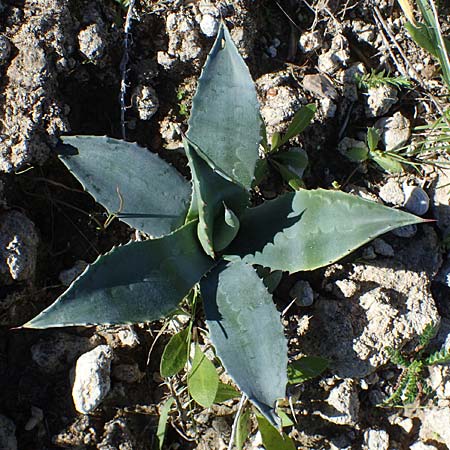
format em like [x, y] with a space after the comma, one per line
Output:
[129, 373]
[310, 41]
[383, 248]
[320, 86]
[92, 379]
[145, 101]
[380, 99]
[408, 231]
[395, 131]
[369, 253]
[376, 440]
[416, 200]
[92, 42]
[302, 293]
[37, 416]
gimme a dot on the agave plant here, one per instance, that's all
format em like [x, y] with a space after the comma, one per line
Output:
[207, 233]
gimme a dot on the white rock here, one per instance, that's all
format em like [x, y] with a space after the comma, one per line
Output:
[92, 379]
[343, 404]
[18, 247]
[406, 423]
[92, 42]
[392, 193]
[435, 425]
[379, 100]
[145, 101]
[310, 41]
[335, 58]
[8, 439]
[395, 130]
[376, 440]
[209, 25]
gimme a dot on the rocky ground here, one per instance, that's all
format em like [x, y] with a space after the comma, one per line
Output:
[60, 73]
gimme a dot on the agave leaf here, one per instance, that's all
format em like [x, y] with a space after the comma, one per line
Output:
[225, 121]
[315, 228]
[175, 354]
[212, 191]
[203, 380]
[246, 331]
[153, 195]
[138, 282]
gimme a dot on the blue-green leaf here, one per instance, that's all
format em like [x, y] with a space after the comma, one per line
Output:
[153, 195]
[215, 195]
[310, 229]
[225, 120]
[138, 282]
[246, 331]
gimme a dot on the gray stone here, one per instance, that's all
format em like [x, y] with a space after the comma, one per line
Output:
[59, 352]
[92, 379]
[408, 231]
[68, 276]
[382, 248]
[32, 116]
[335, 58]
[416, 200]
[342, 404]
[392, 193]
[92, 41]
[120, 336]
[279, 102]
[18, 247]
[380, 99]
[8, 439]
[5, 50]
[145, 101]
[320, 86]
[183, 40]
[302, 293]
[376, 440]
[395, 131]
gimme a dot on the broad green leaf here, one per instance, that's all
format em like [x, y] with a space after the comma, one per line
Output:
[306, 368]
[285, 419]
[275, 141]
[225, 120]
[246, 331]
[138, 282]
[422, 37]
[386, 162]
[212, 190]
[162, 422]
[242, 429]
[154, 197]
[203, 380]
[175, 354]
[301, 120]
[225, 392]
[357, 154]
[261, 171]
[373, 138]
[271, 437]
[310, 229]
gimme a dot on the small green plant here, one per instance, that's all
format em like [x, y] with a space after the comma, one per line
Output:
[183, 109]
[292, 163]
[123, 3]
[411, 382]
[376, 79]
[390, 161]
[207, 233]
